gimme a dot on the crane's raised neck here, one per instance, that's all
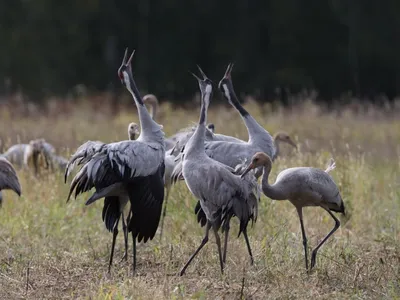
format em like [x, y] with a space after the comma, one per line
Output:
[150, 131]
[195, 145]
[257, 134]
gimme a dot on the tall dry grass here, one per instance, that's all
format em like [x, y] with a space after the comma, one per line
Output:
[50, 249]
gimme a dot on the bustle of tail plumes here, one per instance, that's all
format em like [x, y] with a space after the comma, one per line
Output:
[331, 165]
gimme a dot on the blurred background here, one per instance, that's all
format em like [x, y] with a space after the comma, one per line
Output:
[336, 47]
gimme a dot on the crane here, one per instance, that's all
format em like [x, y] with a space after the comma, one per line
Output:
[131, 169]
[302, 186]
[220, 192]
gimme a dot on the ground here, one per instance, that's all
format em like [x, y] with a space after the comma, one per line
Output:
[53, 249]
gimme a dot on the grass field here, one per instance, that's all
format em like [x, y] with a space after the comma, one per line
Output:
[53, 249]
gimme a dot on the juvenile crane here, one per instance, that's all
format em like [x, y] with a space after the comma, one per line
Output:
[126, 169]
[221, 193]
[8, 178]
[302, 186]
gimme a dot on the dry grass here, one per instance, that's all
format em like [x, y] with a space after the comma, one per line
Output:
[50, 249]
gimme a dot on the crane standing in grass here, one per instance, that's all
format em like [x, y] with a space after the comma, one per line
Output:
[125, 170]
[8, 178]
[221, 193]
[302, 186]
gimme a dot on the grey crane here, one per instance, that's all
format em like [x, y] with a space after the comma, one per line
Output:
[302, 186]
[220, 192]
[25, 155]
[131, 169]
[8, 178]
[233, 153]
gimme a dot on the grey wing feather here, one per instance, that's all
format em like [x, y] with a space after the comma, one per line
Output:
[323, 184]
[223, 192]
[230, 153]
[106, 164]
[177, 173]
[226, 138]
[83, 154]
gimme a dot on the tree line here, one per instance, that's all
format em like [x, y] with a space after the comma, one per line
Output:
[334, 46]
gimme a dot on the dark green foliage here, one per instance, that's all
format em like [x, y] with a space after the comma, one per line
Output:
[334, 46]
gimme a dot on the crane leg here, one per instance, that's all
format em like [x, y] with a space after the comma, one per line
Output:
[125, 230]
[115, 233]
[204, 241]
[164, 212]
[303, 233]
[227, 228]
[337, 224]
[134, 252]
[246, 238]
[218, 241]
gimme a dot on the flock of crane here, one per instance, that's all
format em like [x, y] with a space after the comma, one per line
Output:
[221, 171]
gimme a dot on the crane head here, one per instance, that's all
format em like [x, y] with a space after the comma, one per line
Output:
[285, 138]
[125, 70]
[211, 127]
[258, 160]
[202, 82]
[205, 84]
[133, 130]
[225, 83]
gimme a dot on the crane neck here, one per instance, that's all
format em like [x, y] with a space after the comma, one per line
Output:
[255, 130]
[150, 131]
[153, 102]
[277, 143]
[195, 144]
[271, 191]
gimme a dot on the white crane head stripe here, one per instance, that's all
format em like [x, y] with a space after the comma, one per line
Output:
[127, 81]
[226, 91]
[208, 89]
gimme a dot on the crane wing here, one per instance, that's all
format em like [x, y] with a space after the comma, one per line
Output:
[107, 164]
[127, 168]
[8, 177]
[230, 153]
[322, 183]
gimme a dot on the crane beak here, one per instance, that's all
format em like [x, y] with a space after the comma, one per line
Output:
[202, 73]
[248, 169]
[292, 143]
[228, 71]
[195, 76]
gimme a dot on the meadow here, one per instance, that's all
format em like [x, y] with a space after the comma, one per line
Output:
[53, 249]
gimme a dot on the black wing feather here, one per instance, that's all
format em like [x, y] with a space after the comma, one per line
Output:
[201, 216]
[111, 212]
[146, 195]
